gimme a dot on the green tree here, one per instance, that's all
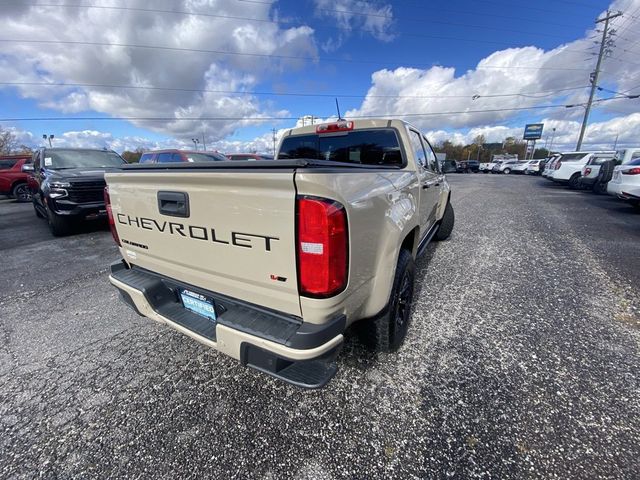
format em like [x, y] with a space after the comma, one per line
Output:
[509, 141]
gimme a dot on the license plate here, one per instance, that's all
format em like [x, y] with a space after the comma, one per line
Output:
[199, 304]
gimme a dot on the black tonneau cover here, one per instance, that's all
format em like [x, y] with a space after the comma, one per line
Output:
[251, 165]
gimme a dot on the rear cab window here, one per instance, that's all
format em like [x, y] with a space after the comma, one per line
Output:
[165, 158]
[146, 158]
[378, 146]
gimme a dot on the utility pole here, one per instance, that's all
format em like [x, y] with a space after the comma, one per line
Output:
[204, 143]
[616, 142]
[596, 74]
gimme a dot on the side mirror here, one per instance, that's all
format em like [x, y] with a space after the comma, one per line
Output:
[28, 168]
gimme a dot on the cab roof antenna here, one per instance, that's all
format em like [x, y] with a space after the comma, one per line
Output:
[338, 108]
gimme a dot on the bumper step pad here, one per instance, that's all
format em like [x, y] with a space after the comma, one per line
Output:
[314, 373]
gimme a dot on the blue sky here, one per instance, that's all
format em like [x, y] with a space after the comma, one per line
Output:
[380, 57]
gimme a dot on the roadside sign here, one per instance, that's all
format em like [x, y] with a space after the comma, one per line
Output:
[533, 131]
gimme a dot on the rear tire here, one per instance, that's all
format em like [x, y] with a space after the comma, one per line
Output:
[387, 332]
[446, 224]
[21, 192]
[599, 188]
[574, 181]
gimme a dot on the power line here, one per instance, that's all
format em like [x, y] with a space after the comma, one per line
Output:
[510, 5]
[261, 55]
[623, 94]
[541, 94]
[266, 118]
[281, 22]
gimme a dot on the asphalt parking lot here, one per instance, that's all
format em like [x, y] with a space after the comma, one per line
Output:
[522, 361]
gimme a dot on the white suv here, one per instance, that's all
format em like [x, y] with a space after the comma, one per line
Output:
[625, 183]
[548, 167]
[568, 169]
[520, 166]
[504, 167]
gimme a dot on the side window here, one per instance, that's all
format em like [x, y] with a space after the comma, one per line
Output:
[176, 157]
[7, 164]
[164, 158]
[146, 158]
[432, 160]
[418, 148]
[36, 161]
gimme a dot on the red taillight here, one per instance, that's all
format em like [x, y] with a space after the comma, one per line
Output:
[112, 223]
[323, 244]
[558, 165]
[334, 127]
[632, 171]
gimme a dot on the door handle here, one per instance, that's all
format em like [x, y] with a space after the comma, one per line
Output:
[435, 183]
[173, 204]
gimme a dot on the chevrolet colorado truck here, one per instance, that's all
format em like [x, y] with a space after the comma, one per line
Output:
[270, 262]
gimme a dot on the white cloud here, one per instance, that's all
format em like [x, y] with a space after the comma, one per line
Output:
[524, 71]
[372, 17]
[531, 70]
[600, 136]
[113, 65]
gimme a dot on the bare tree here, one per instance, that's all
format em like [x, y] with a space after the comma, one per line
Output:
[480, 140]
[7, 141]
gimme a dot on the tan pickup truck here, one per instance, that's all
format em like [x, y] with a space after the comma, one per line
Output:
[270, 261]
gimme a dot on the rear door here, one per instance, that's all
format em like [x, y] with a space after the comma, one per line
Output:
[227, 231]
[429, 182]
[6, 167]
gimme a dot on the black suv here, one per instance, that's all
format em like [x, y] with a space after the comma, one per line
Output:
[68, 184]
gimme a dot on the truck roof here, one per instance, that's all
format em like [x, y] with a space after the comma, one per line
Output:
[358, 124]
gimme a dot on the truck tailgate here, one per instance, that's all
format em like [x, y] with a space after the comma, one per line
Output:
[236, 237]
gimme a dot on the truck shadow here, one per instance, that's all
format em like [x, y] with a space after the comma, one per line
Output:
[355, 353]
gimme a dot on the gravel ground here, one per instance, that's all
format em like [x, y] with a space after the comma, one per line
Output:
[522, 361]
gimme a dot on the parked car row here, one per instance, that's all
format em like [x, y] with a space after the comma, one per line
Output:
[613, 172]
[513, 165]
[173, 155]
[460, 166]
[66, 185]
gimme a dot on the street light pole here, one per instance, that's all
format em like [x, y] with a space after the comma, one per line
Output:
[273, 132]
[553, 134]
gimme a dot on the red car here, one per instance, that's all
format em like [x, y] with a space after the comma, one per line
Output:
[13, 181]
[170, 156]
